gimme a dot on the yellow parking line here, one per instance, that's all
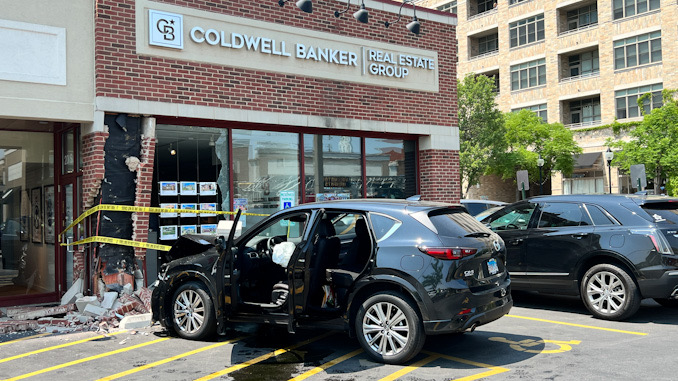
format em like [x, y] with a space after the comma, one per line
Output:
[578, 325]
[323, 367]
[60, 366]
[164, 361]
[59, 346]
[493, 369]
[408, 369]
[262, 357]
[25, 338]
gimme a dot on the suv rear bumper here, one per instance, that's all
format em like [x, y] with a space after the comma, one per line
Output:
[662, 287]
[488, 307]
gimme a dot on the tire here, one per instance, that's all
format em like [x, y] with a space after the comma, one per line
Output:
[610, 293]
[193, 312]
[666, 302]
[389, 329]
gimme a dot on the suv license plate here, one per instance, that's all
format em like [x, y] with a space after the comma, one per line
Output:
[492, 266]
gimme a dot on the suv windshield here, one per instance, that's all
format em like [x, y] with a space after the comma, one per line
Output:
[455, 223]
[665, 212]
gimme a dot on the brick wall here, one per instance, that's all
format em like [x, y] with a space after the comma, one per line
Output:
[121, 73]
[439, 175]
[143, 192]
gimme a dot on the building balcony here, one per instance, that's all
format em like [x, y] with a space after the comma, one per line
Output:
[576, 126]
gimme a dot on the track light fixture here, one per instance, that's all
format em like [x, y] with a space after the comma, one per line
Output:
[304, 5]
[414, 26]
[360, 15]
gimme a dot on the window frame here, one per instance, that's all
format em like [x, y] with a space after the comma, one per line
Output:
[620, 8]
[634, 93]
[524, 71]
[525, 28]
[629, 47]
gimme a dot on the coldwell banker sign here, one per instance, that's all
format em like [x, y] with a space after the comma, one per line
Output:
[192, 35]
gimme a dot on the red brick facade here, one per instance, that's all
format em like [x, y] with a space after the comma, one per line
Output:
[440, 178]
[143, 194]
[121, 73]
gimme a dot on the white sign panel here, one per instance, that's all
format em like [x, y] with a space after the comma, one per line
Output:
[14, 172]
[252, 44]
[166, 29]
[287, 199]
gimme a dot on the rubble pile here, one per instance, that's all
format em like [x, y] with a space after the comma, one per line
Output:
[77, 312]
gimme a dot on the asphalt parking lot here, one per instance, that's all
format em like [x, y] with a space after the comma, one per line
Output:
[543, 338]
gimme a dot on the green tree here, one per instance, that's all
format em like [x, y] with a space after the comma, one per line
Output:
[527, 137]
[481, 128]
[653, 142]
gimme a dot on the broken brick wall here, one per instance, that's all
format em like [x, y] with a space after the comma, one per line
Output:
[144, 171]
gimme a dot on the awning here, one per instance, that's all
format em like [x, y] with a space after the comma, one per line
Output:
[586, 160]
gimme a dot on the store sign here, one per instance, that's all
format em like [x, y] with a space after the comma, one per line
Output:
[252, 44]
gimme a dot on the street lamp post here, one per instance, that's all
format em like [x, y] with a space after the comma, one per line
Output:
[540, 163]
[609, 155]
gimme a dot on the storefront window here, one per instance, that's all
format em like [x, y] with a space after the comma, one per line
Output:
[27, 213]
[265, 172]
[191, 172]
[390, 168]
[332, 167]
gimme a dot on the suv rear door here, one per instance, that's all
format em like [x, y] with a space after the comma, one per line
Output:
[562, 234]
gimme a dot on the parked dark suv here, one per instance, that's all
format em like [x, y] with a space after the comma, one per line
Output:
[613, 250]
[387, 271]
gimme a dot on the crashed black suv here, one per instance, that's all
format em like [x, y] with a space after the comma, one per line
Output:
[387, 271]
[613, 250]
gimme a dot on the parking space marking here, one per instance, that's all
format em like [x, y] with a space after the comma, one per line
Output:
[86, 359]
[60, 346]
[25, 338]
[524, 345]
[578, 325]
[263, 357]
[326, 365]
[493, 370]
[413, 367]
[169, 359]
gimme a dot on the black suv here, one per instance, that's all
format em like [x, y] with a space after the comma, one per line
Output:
[387, 271]
[613, 250]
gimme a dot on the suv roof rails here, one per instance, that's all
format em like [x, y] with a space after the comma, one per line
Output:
[416, 197]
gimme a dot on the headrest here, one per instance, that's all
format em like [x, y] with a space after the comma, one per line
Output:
[361, 228]
[325, 228]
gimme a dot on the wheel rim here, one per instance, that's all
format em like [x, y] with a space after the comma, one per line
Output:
[606, 292]
[189, 311]
[385, 329]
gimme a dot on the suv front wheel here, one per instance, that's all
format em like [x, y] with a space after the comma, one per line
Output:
[609, 292]
[389, 329]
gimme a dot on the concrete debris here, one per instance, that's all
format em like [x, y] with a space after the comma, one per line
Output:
[109, 299]
[72, 293]
[136, 321]
[28, 313]
[83, 302]
[9, 326]
[94, 311]
[132, 163]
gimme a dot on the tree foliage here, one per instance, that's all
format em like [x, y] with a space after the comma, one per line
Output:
[481, 128]
[653, 142]
[527, 137]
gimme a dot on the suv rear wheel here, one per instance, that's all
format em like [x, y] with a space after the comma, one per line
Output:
[192, 312]
[609, 292]
[389, 329]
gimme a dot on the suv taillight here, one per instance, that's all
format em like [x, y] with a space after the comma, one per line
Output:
[448, 252]
[658, 240]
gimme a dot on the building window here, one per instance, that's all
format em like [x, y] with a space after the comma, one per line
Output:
[627, 100]
[540, 110]
[488, 44]
[585, 111]
[511, 2]
[628, 8]
[582, 17]
[485, 5]
[583, 64]
[529, 74]
[638, 50]
[527, 31]
[448, 7]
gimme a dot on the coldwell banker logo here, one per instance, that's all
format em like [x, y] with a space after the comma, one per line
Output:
[165, 29]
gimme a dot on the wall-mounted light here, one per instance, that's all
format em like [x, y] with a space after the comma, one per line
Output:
[211, 142]
[304, 5]
[414, 26]
[172, 151]
[360, 15]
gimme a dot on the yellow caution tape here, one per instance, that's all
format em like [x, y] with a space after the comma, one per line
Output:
[118, 241]
[144, 209]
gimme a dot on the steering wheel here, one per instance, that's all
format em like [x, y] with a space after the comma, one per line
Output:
[272, 242]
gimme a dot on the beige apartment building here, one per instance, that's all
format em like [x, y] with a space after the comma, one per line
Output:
[579, 62]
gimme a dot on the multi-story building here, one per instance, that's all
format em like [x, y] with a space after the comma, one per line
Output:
[579, 62]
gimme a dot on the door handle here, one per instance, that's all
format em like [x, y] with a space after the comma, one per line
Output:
[580, 235]
[516, 242]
